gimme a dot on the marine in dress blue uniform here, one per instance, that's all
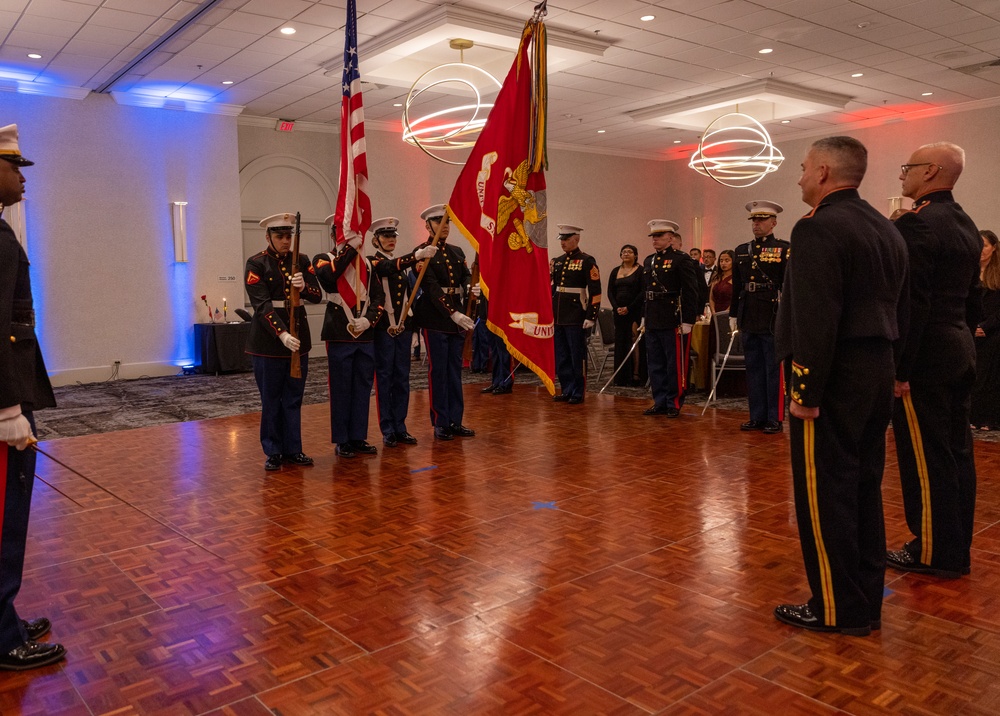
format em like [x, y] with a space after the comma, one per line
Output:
[438, 310]
[24, 388]
[502, 372]
[758, 273]
[840, 313]
[576, 299]
[393, 332]
[349, 332]
[671, 285]
[269, 278]
[937, 368]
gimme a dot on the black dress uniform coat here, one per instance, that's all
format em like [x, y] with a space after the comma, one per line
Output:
[25, 383]
[840, 312]
[393, 275]
[335, 321]
[670, 285]
[442, 289]
[938, 359]
[268, 283]
[577, 271]
[758, 274]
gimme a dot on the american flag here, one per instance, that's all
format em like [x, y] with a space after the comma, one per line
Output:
[353, 214]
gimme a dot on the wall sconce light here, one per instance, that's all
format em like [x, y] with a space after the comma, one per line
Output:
[179, 216]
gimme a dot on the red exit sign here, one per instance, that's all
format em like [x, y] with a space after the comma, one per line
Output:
[285, 125]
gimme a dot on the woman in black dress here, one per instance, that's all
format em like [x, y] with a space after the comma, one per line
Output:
[625, 294]
[986, 394]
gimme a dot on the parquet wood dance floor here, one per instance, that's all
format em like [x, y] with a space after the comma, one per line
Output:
[567, 560]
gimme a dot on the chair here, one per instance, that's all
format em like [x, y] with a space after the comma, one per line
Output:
[606, 323]
[736, 361]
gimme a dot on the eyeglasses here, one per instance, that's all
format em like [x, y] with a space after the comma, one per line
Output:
[904, 168]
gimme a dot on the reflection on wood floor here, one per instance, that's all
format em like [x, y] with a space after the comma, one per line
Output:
[568, 560]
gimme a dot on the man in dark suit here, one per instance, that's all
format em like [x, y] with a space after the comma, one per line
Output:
[24, 388]
[270, 276]
[576, 299]
[758, 273]
[937, 368]
[840, 312]
[439, 313]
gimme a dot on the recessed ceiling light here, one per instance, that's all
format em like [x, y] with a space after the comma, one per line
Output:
[647, 18]
[864, 25]
[858, 74]
[786, 121]
[601, 131]
[677, 141]
[288, 31]
[34, 56]
[926, 94]
[227, 82]
[397, 104]
[765, 51]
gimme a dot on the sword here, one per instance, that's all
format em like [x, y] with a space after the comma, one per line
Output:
[715, 383]
[642, 331]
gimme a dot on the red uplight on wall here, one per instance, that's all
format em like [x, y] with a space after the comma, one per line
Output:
[285, 125]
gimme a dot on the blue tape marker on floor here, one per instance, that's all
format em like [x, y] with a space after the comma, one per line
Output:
[543, 505]
[424, 469]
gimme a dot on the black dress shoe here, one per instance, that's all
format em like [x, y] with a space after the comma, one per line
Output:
[299, 458]
[672, 412]
[462, 431]
[345, 450]
[36, 628]
[560, 398]
[389, 440]
[902, 560]
[772, 426]
[488, 389]
[406, 438]
[31, 655]
[575, 400]
[272, 463]
[364, 447]
[443, 434]
[654, 411]
[801, 615]
[503, 390]
[752, 425]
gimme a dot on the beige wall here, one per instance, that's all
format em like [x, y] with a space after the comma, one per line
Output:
[99, 230]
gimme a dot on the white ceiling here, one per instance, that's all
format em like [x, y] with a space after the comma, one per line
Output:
[904, 48]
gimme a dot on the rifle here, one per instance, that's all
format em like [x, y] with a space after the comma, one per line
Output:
[473, 281]
[420, 275]
[294, 303]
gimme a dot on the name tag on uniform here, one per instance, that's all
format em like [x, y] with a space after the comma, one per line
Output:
[771, 255]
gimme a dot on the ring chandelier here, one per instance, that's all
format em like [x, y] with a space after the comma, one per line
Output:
[736, 151]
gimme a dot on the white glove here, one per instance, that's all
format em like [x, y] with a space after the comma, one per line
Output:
[732, 325]
[642, 324]
[360, 325]
[463, 321]
[477, 290]
[425, 252]
[588, 324]
[15, 431]
[291, 342]
[355, 241]
[298, 281]
[685, 328]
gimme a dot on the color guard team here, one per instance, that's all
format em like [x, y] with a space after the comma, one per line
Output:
[868, 325]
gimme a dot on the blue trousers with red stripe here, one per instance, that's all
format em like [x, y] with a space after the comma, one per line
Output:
[352, 373]
[392, 380]
[570, 343]
[444, 368]
[837, 465]
[18, 469]
[503, 364]
[765, 391]
[281, 404]
[666, 361]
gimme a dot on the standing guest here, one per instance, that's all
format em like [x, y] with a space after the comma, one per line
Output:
[24, 388]
[626, 296]
[721, 285]
[708, 263]
[936, 368]
[837, 322]
[439, 312]
[393, 332]
[695, 253]
[354, 305]
[502, 378]
[758, 273]
[576, 299]
[270, 276]
[986, 393]
[671, 282]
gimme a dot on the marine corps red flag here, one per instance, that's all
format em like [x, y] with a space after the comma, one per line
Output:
[499, 205]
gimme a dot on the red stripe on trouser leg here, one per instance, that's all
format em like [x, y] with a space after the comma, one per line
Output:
[781, 391]
[430, 383]
[4, 457]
